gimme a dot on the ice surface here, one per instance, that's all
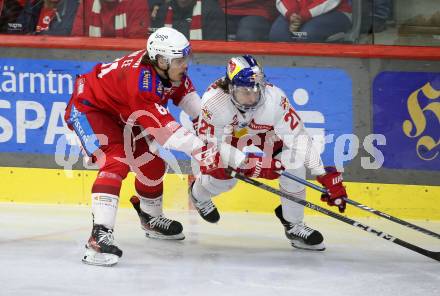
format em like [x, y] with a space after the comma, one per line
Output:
[244, 254]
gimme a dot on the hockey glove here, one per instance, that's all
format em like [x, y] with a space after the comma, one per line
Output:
[261, 167]
[209, 161]
[336, 194]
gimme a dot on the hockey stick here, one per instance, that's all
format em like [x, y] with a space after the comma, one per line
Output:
[365, 208]
[427, 253]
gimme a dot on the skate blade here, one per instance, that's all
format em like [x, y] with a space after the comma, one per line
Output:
[302, 246]
[92, 257]
[157, 235]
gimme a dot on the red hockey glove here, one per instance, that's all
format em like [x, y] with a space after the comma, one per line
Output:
[209, 161]
[336, 195]
[261, 167]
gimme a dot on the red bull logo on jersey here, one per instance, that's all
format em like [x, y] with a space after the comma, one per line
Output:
[234, 121]
[206, 113]
[285, 103]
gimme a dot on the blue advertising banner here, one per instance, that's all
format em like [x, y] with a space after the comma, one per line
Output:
[406, 110]
[33, 96]
[34, 93]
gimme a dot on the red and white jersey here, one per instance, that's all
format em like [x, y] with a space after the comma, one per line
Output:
[308, 9]
[275, 119]
[125, 88]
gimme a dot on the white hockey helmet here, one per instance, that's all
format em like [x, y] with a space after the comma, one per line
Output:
[169, 43]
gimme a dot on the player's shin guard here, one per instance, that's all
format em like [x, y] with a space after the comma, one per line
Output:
[104, 208]
[100, 249]
[300, 235]
[157, 227]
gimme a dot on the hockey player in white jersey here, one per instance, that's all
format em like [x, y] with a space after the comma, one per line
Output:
[243, 110]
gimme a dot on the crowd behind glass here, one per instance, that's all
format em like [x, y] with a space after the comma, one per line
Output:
[343, 21]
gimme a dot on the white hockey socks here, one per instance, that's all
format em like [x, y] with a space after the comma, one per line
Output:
[104, 208]
[200, 193]
[206, 187]
[151, 206]
[293, 212]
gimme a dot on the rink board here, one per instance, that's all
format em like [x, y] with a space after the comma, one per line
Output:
[366, 101]
[53, 186]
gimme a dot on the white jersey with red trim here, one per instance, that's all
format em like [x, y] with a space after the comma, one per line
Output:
[273, 121]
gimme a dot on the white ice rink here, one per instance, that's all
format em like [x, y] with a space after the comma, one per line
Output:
[244, 254]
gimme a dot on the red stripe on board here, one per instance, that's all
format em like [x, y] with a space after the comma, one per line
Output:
[222, 47]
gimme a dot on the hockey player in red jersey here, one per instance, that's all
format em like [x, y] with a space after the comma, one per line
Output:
[245, 111]
[117, 110]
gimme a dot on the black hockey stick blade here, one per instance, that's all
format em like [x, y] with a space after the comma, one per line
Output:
[388, 237]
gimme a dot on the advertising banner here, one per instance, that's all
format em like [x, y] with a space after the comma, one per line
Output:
[406, 110]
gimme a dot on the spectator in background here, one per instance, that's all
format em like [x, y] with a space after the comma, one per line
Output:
[195, 19]
[249, 20]
[9, 11]
[375, 14]
[62, 23]
[310, 20]
[154, 6]
[52, 17]
[112, 18]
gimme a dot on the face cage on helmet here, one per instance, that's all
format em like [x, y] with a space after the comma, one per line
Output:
[247, 108]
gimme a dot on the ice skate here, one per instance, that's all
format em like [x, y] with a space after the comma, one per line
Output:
[300, 235]
[157, 227]
[100, 249]
[206, 209]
